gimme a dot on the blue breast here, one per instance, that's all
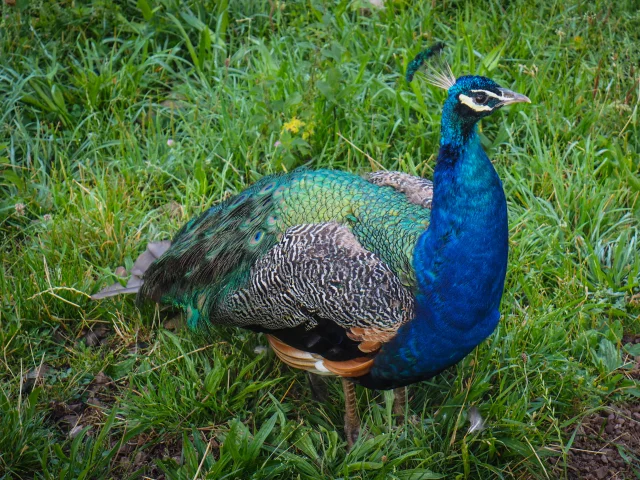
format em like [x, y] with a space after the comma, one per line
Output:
[460, 264]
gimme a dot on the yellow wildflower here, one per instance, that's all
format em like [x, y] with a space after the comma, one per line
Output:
[294, 125]
[308, 131]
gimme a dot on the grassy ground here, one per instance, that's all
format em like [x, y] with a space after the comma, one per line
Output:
[120, 120]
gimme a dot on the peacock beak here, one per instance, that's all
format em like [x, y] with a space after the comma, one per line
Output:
[508, 97]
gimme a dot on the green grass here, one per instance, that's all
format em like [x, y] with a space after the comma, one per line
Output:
[91, 94]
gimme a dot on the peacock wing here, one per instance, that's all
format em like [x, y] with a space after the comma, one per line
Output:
[318, 291]
[320, 273]
[319, 270]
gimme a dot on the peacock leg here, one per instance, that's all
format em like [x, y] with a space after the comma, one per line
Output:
[318, 386]
[400, 403]
[351, 417]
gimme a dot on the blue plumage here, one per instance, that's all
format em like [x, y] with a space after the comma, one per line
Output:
[461, 260]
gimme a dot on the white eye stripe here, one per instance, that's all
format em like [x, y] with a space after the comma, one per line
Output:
[468, 101]
[490, 94]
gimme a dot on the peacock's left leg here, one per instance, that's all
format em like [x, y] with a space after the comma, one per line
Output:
[400, 403]
[318, 387]
[351, 417]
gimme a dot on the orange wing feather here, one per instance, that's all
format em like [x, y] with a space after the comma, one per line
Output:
[314, 363]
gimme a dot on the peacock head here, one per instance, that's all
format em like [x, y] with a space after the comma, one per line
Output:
[470, 97]
[474, 97]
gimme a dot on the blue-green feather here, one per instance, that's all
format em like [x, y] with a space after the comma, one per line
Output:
[420, 59]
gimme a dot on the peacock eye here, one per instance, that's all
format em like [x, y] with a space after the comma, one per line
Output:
[481, 98]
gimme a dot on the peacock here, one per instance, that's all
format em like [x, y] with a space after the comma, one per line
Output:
[383, 280]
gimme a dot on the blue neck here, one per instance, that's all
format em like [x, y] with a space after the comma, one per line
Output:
[460, 263]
